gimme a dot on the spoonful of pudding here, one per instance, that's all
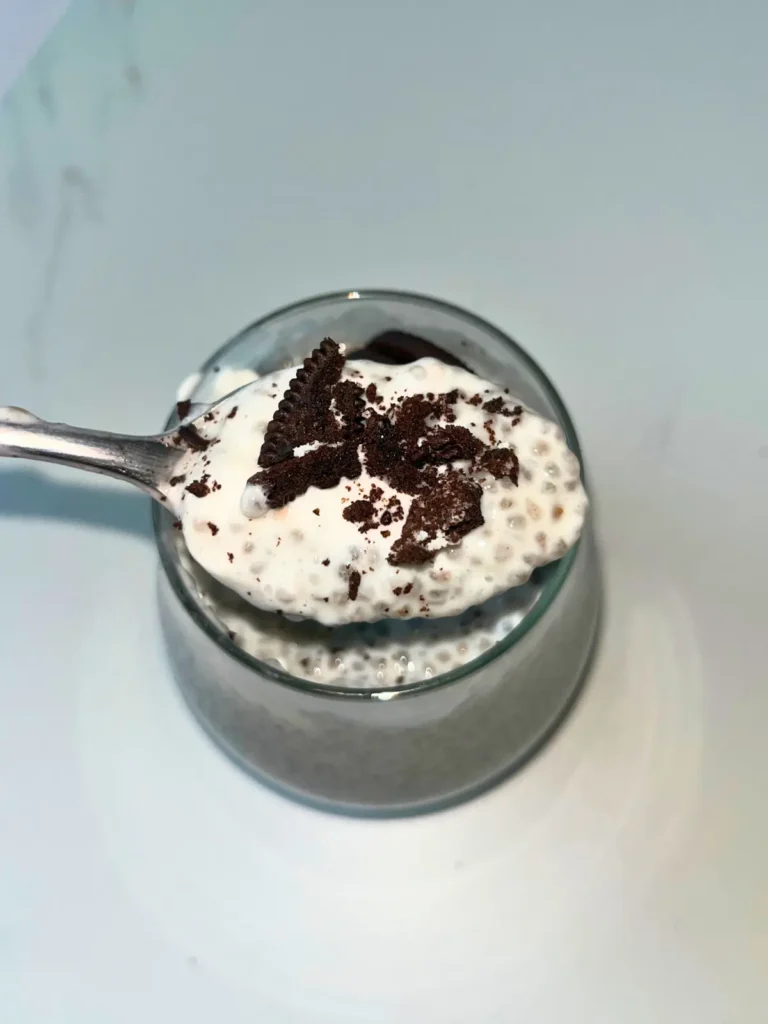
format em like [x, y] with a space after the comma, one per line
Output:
[346, 491]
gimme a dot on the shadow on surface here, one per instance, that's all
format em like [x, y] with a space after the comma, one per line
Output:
[26, 493]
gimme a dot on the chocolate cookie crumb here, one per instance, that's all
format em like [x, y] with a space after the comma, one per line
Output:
[446, 444]
[182, 409]
[409, 553]
[177, 524]
[190, 436]
[176, 480]
[326, 561]
[325, 467]
[495, 405]
[316, 511]
[213, 528]
[354, 584]
[500, 462]
[198, 488]
[349, 403]
[233, 412]
[230, 556]
[359, 511]
[450, 510]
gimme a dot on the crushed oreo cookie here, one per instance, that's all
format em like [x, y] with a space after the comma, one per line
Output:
[414, 445]
[500, 463]
[304, 413]
[354, 584]
[192, 438]
[325, 467]
[443, 515]
[359, 511]
[444, 444]
[348, 402]
[199, 488]
[396, 348]
[494, 405]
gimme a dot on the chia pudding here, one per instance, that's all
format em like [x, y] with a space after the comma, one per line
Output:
[374, 517]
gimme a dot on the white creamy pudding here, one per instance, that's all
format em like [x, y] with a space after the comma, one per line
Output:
[355, 491]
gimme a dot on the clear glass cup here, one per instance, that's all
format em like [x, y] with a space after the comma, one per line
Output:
[422, 745]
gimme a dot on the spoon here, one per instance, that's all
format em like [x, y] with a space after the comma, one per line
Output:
[146, 462]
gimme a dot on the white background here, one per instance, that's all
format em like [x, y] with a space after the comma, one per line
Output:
[24, 24]
[592, 177]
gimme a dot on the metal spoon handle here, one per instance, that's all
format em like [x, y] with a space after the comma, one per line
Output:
[146, 462]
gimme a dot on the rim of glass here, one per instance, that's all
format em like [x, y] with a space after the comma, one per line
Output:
[552, 587]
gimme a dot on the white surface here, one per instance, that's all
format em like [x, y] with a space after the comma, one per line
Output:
[24, 24]
[590, 176]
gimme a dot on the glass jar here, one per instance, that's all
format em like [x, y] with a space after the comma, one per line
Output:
[421, 745]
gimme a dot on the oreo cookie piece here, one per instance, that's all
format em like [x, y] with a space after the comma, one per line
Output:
[395, 348]
[304, 413]
[325, 467]
[450, 511]
[444, 444]
[500, 462]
